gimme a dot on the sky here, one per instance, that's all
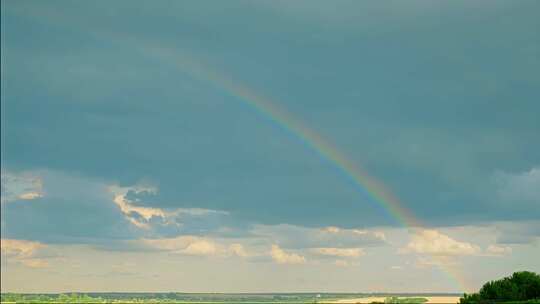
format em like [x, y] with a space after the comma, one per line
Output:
[269, 146]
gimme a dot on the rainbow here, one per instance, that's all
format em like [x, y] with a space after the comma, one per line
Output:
[264, 106]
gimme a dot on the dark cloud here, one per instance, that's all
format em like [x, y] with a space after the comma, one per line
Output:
[72, 210]
[518, 233]
[431, 101]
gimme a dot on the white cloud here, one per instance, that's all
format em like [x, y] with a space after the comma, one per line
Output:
[20, 186]
[380, 235]
[19, 248]
[238, 250]
[30, 195]
[142, 216]
[495, 250]
[297, 237]
[23, 252]
[177, 244]
[145, 214]
[198, 246]
[433, 242]
[338, 252]
[331, 229]
[282, 257]
[201, 247]
[293, 244]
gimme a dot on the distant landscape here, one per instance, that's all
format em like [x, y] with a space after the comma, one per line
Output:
[520, 287]
[174, 297]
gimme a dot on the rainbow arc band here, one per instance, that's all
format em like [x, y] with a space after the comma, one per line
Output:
[265, 107]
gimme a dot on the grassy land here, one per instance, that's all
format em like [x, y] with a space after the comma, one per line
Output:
[184, 298]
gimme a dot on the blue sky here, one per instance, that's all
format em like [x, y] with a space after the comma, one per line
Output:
[110, 149]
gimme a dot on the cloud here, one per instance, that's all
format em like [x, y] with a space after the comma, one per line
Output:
[197, 246]
[20, 248]
[433, 242]
[519, 187]
[292, 244]
[495, 250]
[296, 237]
[30, 195]
[200, 247]
[331, 229]
[280, 256]
[95, 211]
[35, 263]
[338, 252]
[435, 261]
[23, 252]
[171, 244]
[238, 250]
[286, 248]
[341, 263]
[144, 217]
[437, 248]
[138, 216]
[518, 232]
[210, 163]
[83, 205]
[20, 186]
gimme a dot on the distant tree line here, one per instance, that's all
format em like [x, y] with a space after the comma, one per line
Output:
[49, 298]
[523, 286]
[398, 300]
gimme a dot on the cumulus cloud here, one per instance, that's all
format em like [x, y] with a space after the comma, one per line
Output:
[296, 237]
[238, 250]
[280, 256]
[292, 244]
[435, 248]
[331, 229]
[177, 244]
[20, 248]
[338, 252]
[20, 186]
[145, 217]
[197, 246]
[137, 215]
[433, 242]
[200, 247]
[23, 252]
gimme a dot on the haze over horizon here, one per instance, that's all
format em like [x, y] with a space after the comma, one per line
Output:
[269, 146]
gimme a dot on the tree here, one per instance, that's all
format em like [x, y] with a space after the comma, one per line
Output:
[520, 286]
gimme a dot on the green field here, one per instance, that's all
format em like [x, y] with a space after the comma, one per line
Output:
[262, 298]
